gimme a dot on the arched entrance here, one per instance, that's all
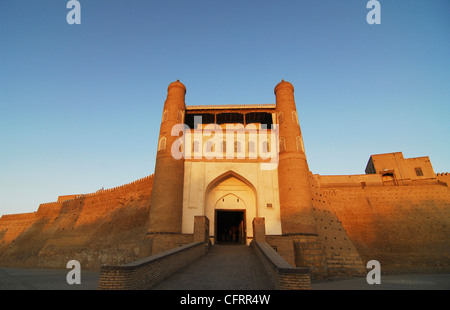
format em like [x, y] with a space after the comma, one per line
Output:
[230, 205]
[230, 227]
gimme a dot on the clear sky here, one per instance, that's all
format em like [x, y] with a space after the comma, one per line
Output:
[80, 105]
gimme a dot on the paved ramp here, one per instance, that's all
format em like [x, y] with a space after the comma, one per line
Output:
[224, 267]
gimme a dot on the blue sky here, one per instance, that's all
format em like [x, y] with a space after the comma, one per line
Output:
[80, 105]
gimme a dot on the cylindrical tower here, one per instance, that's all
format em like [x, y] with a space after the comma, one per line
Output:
[293, 171]
[167, 193]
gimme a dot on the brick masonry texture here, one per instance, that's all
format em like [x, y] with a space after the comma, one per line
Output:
[406, 228]
[283, 275]
[107, 227]
[146, 273]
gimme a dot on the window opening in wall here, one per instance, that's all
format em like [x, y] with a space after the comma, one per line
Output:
[230, 118]
[389, 178]
[262, 118]
[206, 118]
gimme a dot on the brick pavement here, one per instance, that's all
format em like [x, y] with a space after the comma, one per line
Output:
[224, 267]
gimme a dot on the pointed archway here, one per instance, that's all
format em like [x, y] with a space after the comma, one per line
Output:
[230, 196]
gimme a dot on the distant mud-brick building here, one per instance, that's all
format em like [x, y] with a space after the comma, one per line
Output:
[235, 163]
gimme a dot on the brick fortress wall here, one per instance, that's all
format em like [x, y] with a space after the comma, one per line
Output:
[405, 227]
[328, 253]
[106, 227]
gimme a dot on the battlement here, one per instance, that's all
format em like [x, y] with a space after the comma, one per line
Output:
[64, 198]
[48, 208]
[80, 227]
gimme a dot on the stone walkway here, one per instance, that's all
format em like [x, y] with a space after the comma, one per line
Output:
[224, 267]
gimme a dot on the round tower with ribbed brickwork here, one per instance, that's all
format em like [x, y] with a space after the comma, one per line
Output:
[167, 193]
[296, 208]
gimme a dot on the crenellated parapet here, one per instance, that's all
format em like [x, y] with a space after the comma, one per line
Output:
[100, 191]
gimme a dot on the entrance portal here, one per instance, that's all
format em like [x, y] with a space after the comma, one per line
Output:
[230, 227]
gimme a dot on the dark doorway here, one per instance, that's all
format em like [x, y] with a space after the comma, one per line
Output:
[230, 227]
